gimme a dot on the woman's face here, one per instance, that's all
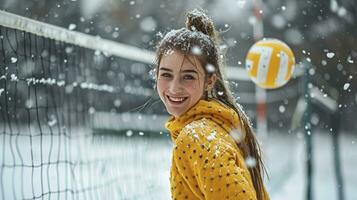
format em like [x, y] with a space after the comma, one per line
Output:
[180, 82]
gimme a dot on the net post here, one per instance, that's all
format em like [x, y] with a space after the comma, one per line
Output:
[260, 93]
[308, 135]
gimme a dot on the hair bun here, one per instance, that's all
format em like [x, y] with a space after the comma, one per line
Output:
[197, 20]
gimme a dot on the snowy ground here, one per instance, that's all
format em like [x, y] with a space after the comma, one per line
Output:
[137, 167]
[324, 179]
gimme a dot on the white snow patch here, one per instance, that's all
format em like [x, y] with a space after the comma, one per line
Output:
[196, 50]
[196, 136]
[212, 136]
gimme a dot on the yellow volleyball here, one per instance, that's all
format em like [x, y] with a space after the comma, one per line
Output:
[270, 63]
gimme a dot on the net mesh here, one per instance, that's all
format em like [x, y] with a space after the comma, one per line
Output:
[50, 93]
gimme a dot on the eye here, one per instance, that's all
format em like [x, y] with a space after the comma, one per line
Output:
[166, 75]
[188, 77]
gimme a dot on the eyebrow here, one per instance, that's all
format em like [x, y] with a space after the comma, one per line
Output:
[184, 71]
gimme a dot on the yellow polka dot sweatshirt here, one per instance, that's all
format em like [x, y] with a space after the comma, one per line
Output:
[206, 162]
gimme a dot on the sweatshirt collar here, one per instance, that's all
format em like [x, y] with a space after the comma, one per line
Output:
[211, 109]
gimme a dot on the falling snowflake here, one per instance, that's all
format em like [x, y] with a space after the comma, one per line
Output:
[346, 86]
[323, 62]
[117, 103]
[349, 60]
[69, 50]
[13, 60]
[281, 109]
[69, 89]
[129, 133]
[14, 77]
[29, 103]
[210, 68]
[250, 162]
[91, 110]
[330, 55]
[311, 71]
[52, 121]
[148, 24]
[71, 27]
[314, 119]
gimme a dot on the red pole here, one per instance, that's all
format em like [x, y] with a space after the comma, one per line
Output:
[260, 93]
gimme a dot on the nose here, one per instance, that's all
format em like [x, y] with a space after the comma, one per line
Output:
[175, 86]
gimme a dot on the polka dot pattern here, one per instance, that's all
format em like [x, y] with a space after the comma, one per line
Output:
[213, 110]
[206, 162]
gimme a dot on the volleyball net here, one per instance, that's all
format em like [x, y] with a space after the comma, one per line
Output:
[61, 91]
[53, 82]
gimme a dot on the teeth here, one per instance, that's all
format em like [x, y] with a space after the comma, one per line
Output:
[177, 99]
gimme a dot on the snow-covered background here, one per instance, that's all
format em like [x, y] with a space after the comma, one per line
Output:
[68, 141]
[136, 166]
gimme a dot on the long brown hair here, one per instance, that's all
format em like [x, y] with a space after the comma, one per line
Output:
[200, 33]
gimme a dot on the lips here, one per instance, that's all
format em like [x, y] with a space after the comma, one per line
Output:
[176, 100]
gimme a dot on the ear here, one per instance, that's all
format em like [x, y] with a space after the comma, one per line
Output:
[210, 82]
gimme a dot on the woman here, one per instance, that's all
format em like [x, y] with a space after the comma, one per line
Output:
[216, 155]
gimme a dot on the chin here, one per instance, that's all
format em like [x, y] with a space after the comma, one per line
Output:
[175, 113]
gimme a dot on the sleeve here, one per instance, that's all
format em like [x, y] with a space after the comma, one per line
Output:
[214, 166]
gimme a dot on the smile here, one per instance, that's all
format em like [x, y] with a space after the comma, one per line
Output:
[176, 100]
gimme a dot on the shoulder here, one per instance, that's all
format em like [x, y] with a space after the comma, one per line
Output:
[201, 130]
[204, 134]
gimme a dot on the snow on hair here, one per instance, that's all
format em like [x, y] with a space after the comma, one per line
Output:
[197, 20]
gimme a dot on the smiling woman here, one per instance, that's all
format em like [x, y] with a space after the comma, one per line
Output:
[216, 154]
[181, 82]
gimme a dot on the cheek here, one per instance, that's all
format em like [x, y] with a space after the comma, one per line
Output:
[159, 87]
[195, 87]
